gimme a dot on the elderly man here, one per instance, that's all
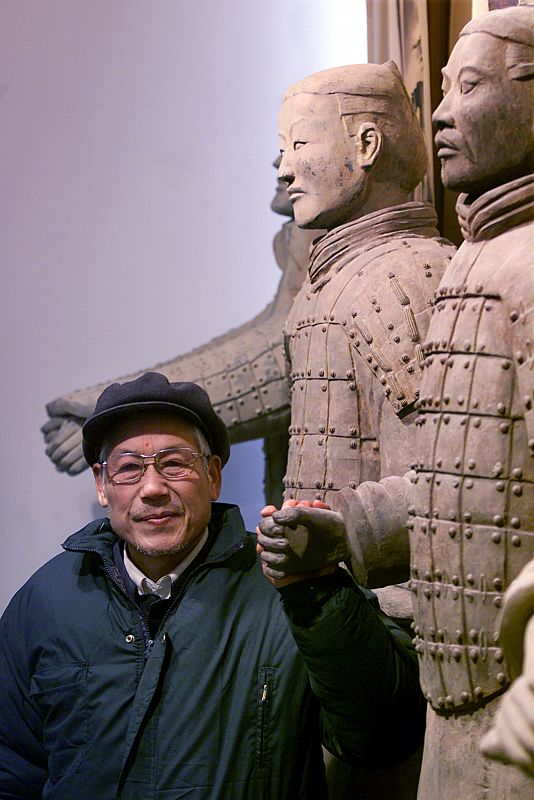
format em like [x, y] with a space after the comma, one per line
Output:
[153, 659]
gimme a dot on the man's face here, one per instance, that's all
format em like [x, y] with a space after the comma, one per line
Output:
[160, 520]
[485, 120]
[319, 163]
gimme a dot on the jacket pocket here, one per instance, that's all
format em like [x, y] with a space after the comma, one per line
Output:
[60, 693]
[265, 695]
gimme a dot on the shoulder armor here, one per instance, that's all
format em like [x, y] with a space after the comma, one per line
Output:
[391, 313]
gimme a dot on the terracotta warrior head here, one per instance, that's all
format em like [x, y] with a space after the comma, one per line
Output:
[485, 121]
[350, 144]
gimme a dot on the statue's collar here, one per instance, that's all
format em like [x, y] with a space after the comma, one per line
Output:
[496, 211]
[343, 244]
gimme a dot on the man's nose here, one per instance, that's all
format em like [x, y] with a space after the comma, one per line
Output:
[152, 483]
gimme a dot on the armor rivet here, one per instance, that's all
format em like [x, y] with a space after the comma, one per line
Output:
[498, 520]
[428, 577]
[473, 654]
[309, 373]
[390, 326]
[504, 427]
[461, 400]
[459, 635]
[455, 580]
[396, 339]
[471, 464]
[505, 364]
[300, 484]
[322, 429]
[332, 429]
[428, 593]
[377, 309]
[479, 691]
[517, 472]
[464, 697]
[456, 653]
[497, 582]
[516, 540]
[467, 516]
[467, 345]
[517, 489]
[411, 511]
[353, 445]
[438, 462]
[452, 532]
[352, 386]
[351, 334]
[479, 288]
[514, 316]
[500, 486]
[373, 301]
[499, 655]
[457, 462]
[501, 678]
[369, 358]
[515, 522]
[446, 419]
[469, 484]
[496, 537]
[332, 317]
[352, 484]
[324, 387]
[324, 329]
[470, 578]
[306, 429]
[321, 373]
[497, 602]
[519, 357]
[476, 422]
[318, 484]
[501, 408]
[318, 496]
[469, 533]
[240, 402]
[320, 441]
[475, 403]
[330, 484]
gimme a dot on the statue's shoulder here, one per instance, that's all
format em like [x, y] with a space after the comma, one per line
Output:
[390, 309]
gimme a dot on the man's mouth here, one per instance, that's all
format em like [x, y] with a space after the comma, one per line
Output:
[157, 517]
[294, 193]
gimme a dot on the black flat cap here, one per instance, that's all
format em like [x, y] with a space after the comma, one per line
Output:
[153, 392]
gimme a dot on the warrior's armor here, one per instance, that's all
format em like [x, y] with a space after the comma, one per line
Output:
[473, 518]
[353, 343]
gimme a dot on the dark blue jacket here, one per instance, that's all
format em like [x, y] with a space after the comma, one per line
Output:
[221, 707]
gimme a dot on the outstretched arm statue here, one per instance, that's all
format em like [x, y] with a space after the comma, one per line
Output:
[243, 371]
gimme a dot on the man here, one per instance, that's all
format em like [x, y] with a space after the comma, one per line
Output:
[472, 518]
[153, 660]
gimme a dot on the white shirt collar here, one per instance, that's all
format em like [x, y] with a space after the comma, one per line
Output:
[162, 587]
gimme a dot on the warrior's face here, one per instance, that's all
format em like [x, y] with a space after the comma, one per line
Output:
[320, 163]
[485, 121]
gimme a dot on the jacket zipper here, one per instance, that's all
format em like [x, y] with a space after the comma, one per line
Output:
[263, 722]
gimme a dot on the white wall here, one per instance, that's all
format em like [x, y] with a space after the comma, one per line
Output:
[136, 141]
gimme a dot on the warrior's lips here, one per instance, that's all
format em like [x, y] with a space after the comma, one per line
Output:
[445, 147]
[294, 193]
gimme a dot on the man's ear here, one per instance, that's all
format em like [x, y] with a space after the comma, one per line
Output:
[98, 473]
[369, 142]
[215, 477]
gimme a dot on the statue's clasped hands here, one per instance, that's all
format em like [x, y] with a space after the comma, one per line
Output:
[301, 540]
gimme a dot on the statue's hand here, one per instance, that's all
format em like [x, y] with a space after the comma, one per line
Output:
[511, 740]
[299, 541]
[63, 439]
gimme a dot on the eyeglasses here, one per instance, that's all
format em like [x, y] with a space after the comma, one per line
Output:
[173, 463]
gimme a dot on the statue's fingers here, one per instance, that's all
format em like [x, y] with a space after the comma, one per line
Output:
[274, 544]
[66, 440]
[51, 425]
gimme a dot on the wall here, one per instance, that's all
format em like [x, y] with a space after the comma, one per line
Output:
[136, 142]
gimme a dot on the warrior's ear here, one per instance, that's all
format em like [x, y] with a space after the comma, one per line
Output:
[369, 142]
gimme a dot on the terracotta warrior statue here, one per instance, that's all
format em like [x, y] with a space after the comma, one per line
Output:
[352, 151]
[471, 515]
[243, 371]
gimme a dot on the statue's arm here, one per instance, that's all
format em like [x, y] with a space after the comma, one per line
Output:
[242, 370]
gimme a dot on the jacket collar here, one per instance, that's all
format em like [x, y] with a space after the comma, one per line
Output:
[496, 211]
